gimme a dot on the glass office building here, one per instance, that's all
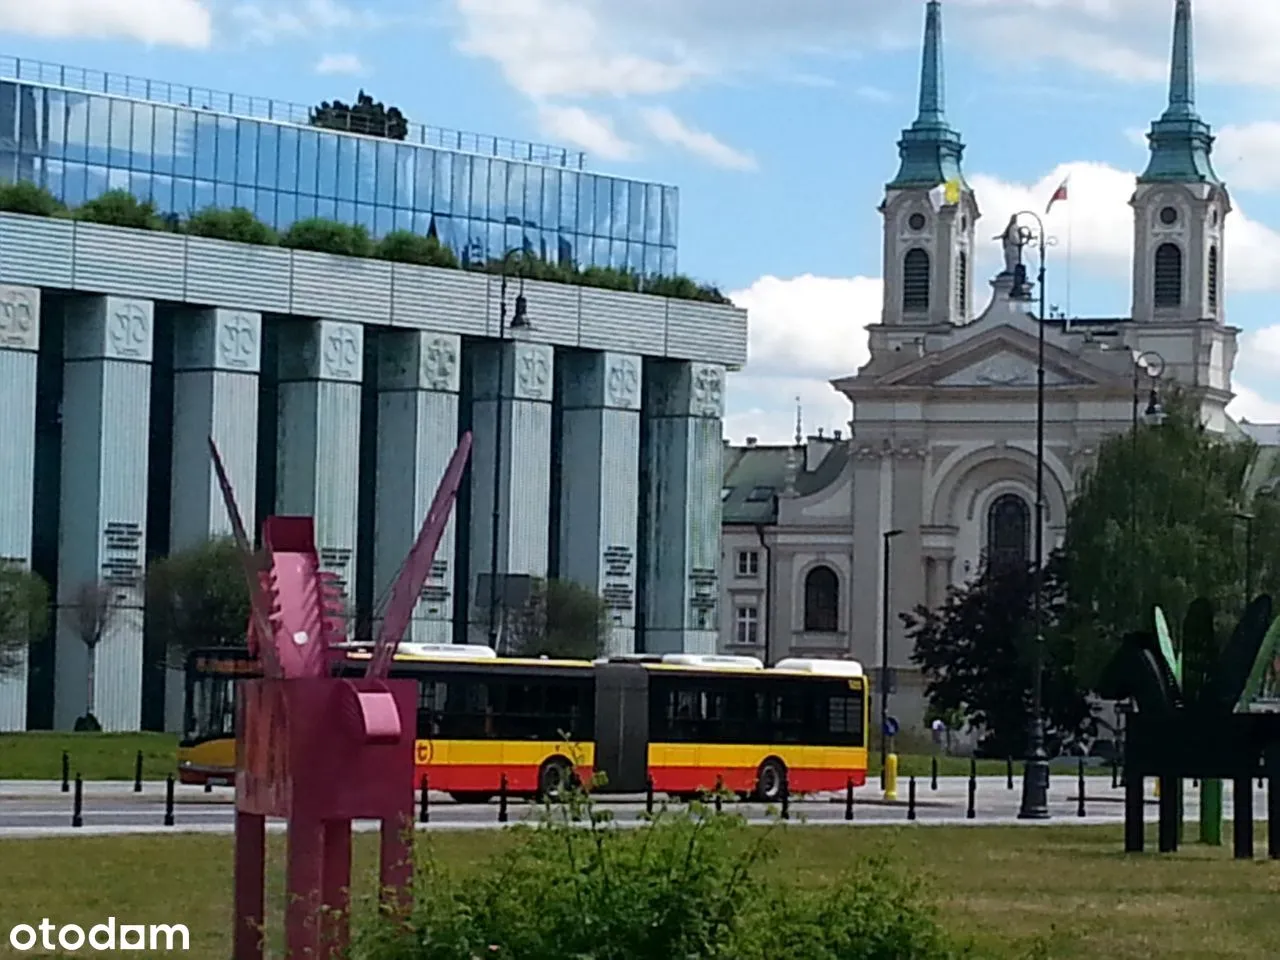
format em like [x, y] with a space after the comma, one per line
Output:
[80, 133]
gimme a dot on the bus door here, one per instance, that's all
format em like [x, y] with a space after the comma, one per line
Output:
[622, 726]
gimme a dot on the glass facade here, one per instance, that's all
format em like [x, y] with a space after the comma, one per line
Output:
[79, 144]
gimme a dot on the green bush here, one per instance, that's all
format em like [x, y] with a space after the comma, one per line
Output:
[120, 208]
[405, 246]
[237, 225]
[692, 885]
[328, 236]
[26, 197]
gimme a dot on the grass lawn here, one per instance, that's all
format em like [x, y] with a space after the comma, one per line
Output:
[1004, 886]
[95, 756]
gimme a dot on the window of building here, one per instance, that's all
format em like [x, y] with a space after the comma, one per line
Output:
[1213, 279]
[1168, 278]
[821, 601]
[748, 563]
[962, 283]
[746, 628]
[1008, 532]
[915, 281]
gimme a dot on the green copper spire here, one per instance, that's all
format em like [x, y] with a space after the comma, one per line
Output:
[1181, 143]
[930, 150]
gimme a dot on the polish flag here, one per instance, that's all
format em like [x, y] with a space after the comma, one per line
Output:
[1059, 194]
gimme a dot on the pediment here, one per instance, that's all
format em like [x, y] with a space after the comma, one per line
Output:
[1005, 369]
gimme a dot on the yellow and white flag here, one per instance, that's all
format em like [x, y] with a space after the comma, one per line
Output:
[945, 194]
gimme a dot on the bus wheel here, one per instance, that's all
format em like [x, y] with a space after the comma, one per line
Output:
[554, 778]
[470, 796]
[769, 780]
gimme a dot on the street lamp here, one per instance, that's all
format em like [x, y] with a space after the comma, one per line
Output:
[1247, 519]
[1152, 364]
[519, 320]
[884, 657]
[1035, 772]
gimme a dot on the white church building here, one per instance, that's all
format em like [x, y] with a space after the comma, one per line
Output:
[938, 469]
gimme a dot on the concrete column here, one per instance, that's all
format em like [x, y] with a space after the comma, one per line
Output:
[19, 346]
[418, 381]
[217, 356]
[106, 413]
[599, 489]
[318, 450]
[867, 562]
[685, 404]
[524, 484]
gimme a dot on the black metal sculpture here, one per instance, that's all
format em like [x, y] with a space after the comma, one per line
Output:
[1207, 711]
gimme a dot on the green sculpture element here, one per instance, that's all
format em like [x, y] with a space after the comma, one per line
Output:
[1261, 692]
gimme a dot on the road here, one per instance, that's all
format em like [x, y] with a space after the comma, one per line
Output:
[39, 808]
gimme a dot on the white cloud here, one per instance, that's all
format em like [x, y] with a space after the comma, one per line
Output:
[592, 132]
[669, 128]
[182, 23]
[804, 331]
[1252, 406]
[340, 63]
[1248, 156]
[271, 21]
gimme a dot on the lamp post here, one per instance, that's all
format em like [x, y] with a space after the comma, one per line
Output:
[1247, 519]
[1152, 364]
[1035, 771]
[884, 656]
[519, 320]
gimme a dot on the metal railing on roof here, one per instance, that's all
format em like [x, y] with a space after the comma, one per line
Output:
[265, 108]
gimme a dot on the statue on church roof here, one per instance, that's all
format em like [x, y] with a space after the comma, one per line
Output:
[1012, 240]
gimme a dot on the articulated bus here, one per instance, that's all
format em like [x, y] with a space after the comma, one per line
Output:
[683, 721]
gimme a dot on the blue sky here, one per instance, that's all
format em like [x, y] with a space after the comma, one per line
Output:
[778, 122]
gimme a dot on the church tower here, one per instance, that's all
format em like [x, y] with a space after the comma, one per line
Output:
[929, 211]
[1180, 206]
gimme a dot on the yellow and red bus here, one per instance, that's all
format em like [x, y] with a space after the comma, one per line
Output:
[683, 721]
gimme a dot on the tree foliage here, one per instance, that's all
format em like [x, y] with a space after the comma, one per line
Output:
[328, 236]
[235, 224]
[24, 613]
[119, 208]
[406, 246]
[365, 116]
[977, 653]
[561, 619]
[94, 611]
[198, 598]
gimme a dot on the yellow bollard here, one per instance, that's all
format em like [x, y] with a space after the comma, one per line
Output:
[1157, 787]
[891, 777]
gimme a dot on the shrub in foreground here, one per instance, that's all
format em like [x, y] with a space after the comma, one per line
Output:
[686, 886]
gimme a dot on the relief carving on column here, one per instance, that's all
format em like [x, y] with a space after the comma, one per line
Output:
[19, 318]
[128, 330]
[439, 368]
[236, 341]
[533, 372]
[341, 351]
[707, 394]
[622, 383]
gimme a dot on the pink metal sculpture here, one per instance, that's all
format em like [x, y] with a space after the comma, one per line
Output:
[318, 750]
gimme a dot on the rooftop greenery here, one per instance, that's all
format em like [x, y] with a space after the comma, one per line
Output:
[119, 208]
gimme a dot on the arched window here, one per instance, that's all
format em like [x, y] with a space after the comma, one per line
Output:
[962, 284]
[1008, 532]
[1168, 279]
[821, 601]
[915, 281]
[1213, 279]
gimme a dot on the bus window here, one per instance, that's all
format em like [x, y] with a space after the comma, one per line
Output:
[844, 719]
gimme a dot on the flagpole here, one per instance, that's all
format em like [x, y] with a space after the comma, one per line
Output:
[1070, 221]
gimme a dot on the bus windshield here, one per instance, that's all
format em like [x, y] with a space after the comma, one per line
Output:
[210, 694]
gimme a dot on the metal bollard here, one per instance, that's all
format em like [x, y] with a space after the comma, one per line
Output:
[848, 799]
[933, 774]
[648, 795]
[168, 801]
[1008, 773]
[911, 798]
[1080, 799]
[972, 810]
[424, 810]
[502, 799]
[77, 820]
[137, 773]
[208, 785]
[719, 791]
[66, 772]
[786, 796]
[1115, 772]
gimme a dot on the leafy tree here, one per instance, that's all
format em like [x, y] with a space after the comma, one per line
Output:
[24, 613]
[364, 116]
[977, 653]
[237, 225]
[94, 611]
[406, 246]
[328, 236]
[1155, 523]
[561, 619]
[198, 598]
[119, 208]
[30, 198]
